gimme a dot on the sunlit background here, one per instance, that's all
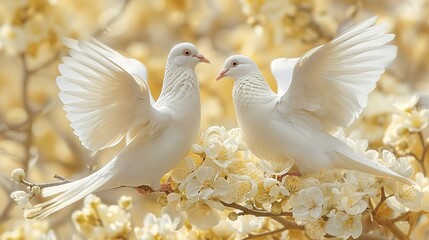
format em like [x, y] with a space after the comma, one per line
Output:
[35, 134]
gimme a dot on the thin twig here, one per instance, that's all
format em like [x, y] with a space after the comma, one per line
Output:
[382, 199]
[121, 11]
[371, 236]
[248, 211]
[424, 151]
[45, 64]
[44, 185]
[62, 178]
[30, 114]
[413, 224]
[286, 223]
[252, 236]
[400, 217]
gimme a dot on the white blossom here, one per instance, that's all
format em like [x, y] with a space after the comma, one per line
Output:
[204, 214]
[316, 229]
[270, 190]
[402, 165]
[13, 39]
[307, 205]
[409, 195]
[99, 221]
[115, 220]
[241, 188]
[362, 182]
[175, 210]
[344, 226]
[39, 230]
[417, 120]
[406, 103]
[21, 199]
[246, 224]
[349, 200]
[206, 184]
[157, 228]
[396, 132]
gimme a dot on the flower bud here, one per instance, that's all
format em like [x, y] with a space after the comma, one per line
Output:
[233, 216]
[18, 175]
[249, 202]
[162, 201]
[35, 190]
[292, 183]
[125, 202]
[197, 149]
[276, 208]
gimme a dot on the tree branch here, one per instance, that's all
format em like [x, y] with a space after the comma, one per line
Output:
[102, 29]
[248, 211]
[286, 223]
[252, 236]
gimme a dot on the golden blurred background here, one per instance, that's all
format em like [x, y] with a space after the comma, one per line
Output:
[35, 134]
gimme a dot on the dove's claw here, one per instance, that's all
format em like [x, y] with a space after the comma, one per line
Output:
[144, 189]
[166, 187]
[297, 174]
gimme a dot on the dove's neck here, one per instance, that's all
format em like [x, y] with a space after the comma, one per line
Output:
[180, 84]
[250, 90]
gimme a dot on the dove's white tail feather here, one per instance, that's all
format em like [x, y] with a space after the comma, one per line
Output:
[54, 190]
[347, 158]
[71, 192]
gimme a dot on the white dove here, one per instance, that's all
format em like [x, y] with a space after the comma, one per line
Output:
[106, 97]
[319, 93]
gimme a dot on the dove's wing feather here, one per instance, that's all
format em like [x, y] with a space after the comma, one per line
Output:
[102, 99]
[332, 82]
[282, 69]
[131, 65]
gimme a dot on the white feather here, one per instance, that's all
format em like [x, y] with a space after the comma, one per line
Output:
[338, 76]
[282, 69]
[328, 89]
[106, 97]
[99, 93]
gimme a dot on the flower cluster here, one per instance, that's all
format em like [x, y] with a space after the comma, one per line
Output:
[30, 24]
[306, 20]
[220, 183]
[221, 173]
[159, 228]
[219, 169]
[22, 198]
[99, 221]
[407, 122]
[29, 231]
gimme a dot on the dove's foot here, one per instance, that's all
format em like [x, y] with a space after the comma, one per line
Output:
[144, 189]
[298, 174]
[292, 173]
[166, 187]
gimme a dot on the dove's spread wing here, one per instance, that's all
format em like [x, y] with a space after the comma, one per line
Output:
[104, 97]
[131, 65]
[282, 69]
[332, 82]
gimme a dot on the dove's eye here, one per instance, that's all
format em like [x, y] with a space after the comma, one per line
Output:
[234, 63]
[187, 52]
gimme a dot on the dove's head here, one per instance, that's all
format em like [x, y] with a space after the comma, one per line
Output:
[237, 66]
[186, 54]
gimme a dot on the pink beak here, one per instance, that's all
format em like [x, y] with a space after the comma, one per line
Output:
[202, 58]
[221, 74]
